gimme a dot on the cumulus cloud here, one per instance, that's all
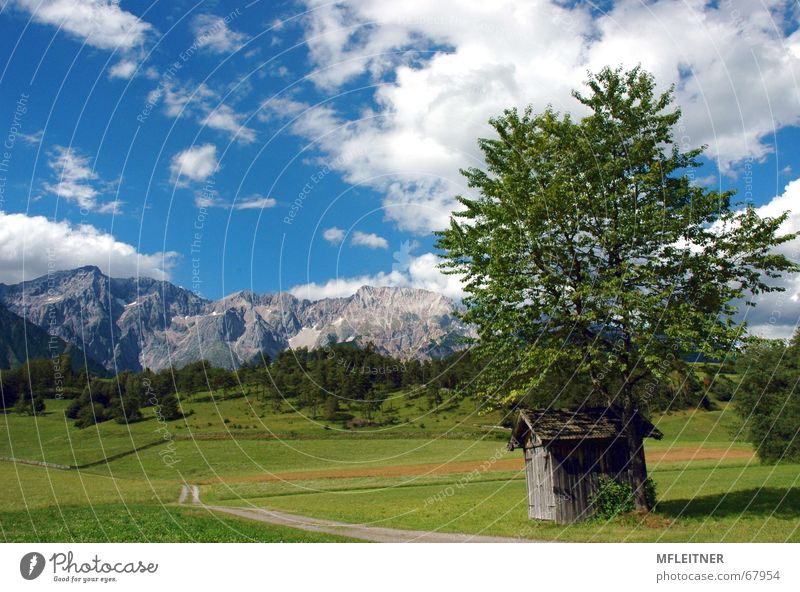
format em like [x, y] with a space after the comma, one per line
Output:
[212, 32]
[225, 119]
[280, 106]
[333, 235]
[369, 240]
[123, 69]
[733, 66]
[32, 245]
[196, 163]
[203, 104]
[777, 314]
[419, 272]
[180, 101]
[342, 287]
[76, 181]
[100, 23]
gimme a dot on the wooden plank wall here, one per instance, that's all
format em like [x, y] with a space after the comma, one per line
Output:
[562, 476]
[538, 476]
[576, 471]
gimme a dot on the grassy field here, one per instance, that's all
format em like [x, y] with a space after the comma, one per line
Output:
[28, 487]
[116, 523]
[446, 470]
[732, 503]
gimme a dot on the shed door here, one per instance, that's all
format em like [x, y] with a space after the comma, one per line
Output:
[539, 477]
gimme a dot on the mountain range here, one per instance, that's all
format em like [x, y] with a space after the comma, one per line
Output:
[136, 323]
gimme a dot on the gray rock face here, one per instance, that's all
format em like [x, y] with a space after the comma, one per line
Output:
[144, 323]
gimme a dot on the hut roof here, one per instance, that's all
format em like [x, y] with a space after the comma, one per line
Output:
[586, 424]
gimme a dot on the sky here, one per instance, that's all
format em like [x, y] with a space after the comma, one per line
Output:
[315, 146]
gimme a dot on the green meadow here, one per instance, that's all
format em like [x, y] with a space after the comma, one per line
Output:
[444, 469]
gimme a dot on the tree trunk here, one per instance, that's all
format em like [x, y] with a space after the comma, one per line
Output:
[637, 467]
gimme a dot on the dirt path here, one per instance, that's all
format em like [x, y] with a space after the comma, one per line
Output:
[677, 454]
[373, 534]
[354, 531]
[194, 490]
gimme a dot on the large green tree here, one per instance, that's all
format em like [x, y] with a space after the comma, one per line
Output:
[588, 253]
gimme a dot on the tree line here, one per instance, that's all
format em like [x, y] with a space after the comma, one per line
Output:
[340, 381]
[325, 381]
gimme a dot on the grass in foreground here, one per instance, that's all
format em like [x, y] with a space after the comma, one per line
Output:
[359, 478]
[732, 503]
[123, 523]
[27, 487]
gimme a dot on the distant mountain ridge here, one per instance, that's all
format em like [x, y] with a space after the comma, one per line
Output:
[140, 323]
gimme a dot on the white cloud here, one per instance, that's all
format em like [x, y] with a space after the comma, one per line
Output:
[280, 107]
[333, 235]
[342, 287]
[224, 118]
[420, 272]
[425, 273]
[209, 198]
[123, 69]
[370, 240]
[735, 74]
[32, 139]
[181, 101]
[32, 245]
[111, 207]
[75, 177]
[212, 32]
[76, 181]
[203, 104]
[778, 313]
[255, 202]
[197, 163]
[100, 23]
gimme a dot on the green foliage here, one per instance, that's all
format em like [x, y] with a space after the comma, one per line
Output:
[343, 377]
[723, 387]
[612, 498]
[30, 406]
[767, 399]
[651, 492]
[170, 407]
[331, 408]
[589, 248]
[40, 378]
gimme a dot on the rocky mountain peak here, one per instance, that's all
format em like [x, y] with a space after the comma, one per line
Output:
[140, 322]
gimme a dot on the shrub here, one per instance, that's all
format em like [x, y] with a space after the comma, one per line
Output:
[611, 498]
[26, 406]
[650, 492]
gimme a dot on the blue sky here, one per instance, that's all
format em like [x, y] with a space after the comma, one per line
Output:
[314, 146]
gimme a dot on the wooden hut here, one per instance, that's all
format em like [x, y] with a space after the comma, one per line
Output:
[566, 452]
